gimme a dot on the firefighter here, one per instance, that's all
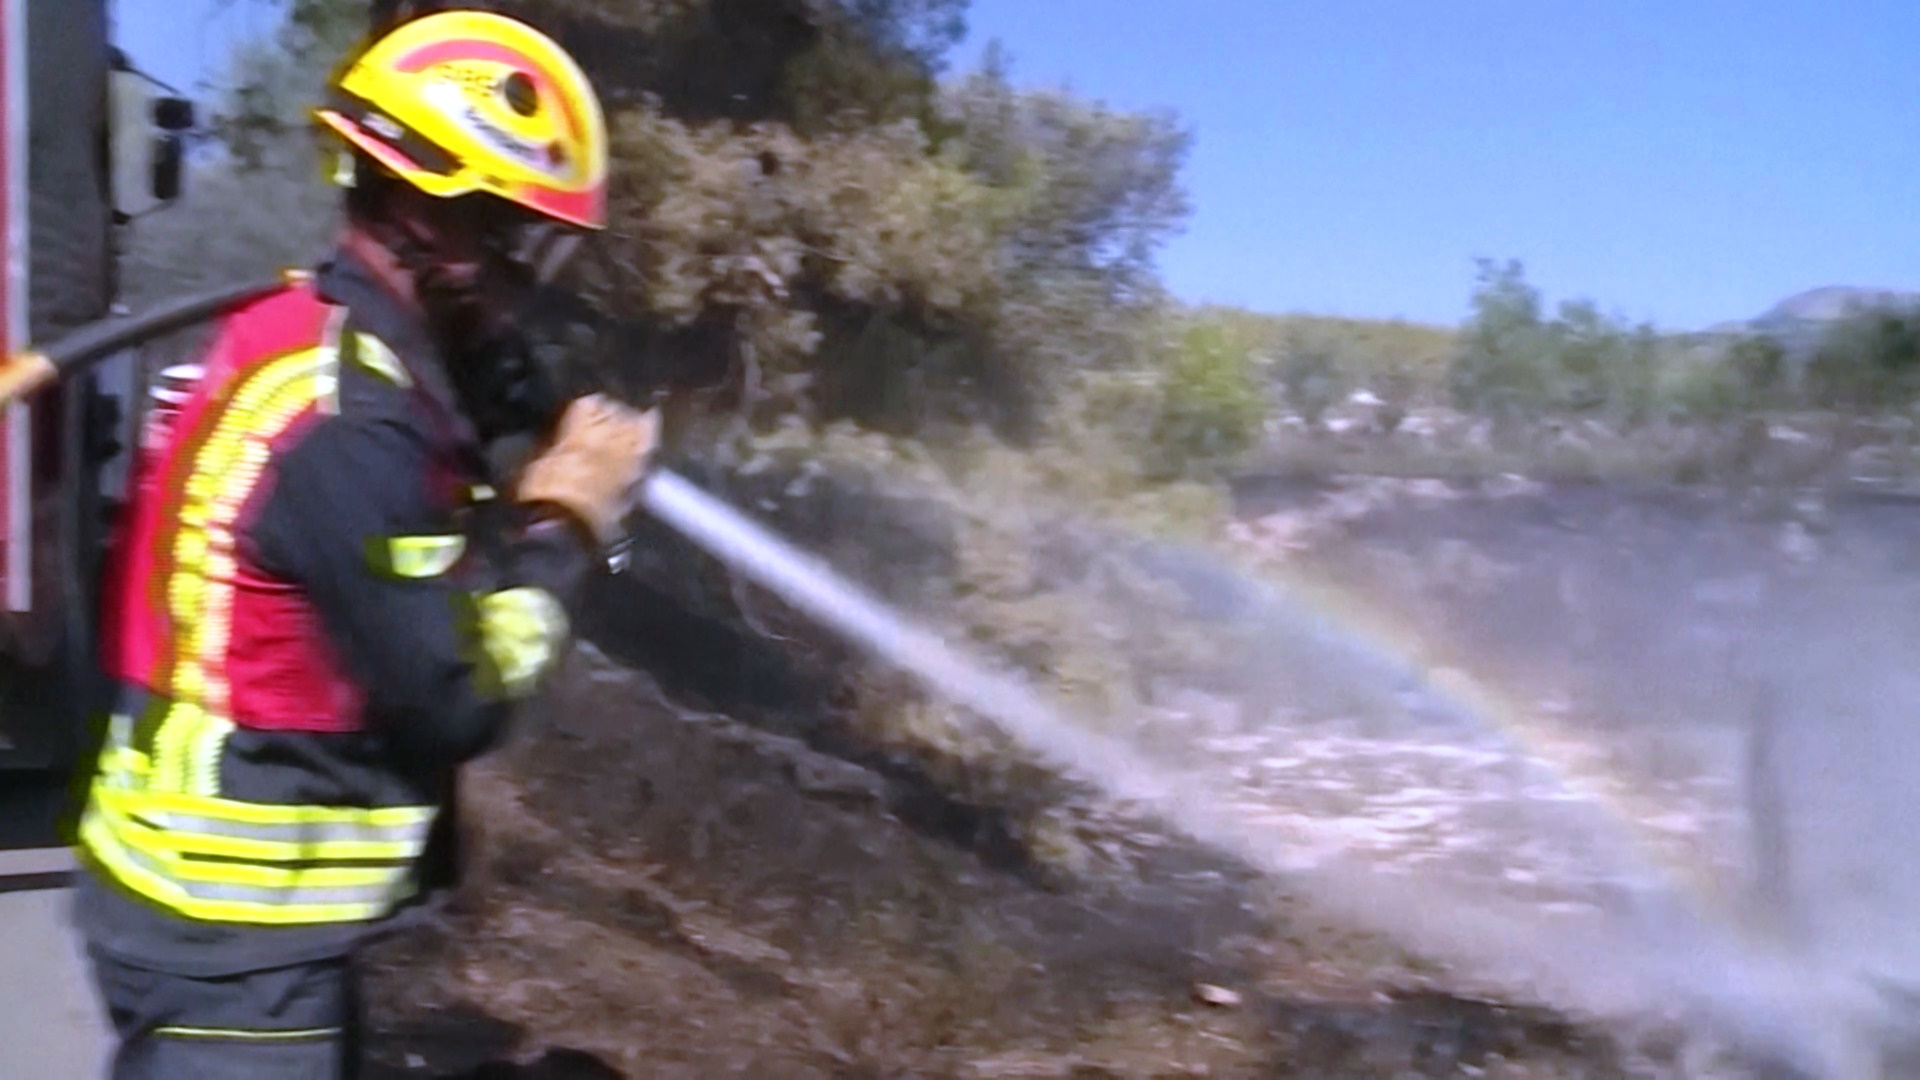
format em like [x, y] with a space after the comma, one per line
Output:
[322, 599]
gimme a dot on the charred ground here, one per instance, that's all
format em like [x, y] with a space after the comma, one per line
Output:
[690, 864]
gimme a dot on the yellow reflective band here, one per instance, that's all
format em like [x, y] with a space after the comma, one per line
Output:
[237, 902]
[268, 883]
[122, 766]
[309, 832]
[256, 1036]
[374, 355]
[372, 883]
[209, 739]
[225, 469]
[170, 739]
[265, 814]
[170, 836]
[167, 845]
[219, 860]
[522, 631]
[422, 556]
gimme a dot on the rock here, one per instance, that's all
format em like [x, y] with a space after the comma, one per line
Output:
[1217, 996]
[1512, 485]
[1429, 490]
[1741, 594]
[1458, 567]
[1811, 511]
[1797, 544]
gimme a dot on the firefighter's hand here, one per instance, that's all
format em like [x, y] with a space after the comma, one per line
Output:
[594, 465]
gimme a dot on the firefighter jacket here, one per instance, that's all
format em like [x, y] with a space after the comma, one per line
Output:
[316, 608]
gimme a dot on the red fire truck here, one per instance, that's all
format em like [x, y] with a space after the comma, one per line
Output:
[88, 145]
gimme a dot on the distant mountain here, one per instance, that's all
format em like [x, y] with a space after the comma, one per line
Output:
[1832, 302]
[1800, 321]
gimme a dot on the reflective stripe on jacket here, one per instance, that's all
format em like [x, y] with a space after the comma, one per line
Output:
[218, 859]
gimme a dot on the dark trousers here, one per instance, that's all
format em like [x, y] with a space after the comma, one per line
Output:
[294, 1023]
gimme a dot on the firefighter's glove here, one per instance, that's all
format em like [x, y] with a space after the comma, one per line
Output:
[594, 465]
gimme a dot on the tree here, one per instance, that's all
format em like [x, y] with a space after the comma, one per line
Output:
[1513, 360]
[1097, 190]
[802, 218]
[1499, 364]
[260, 111]
[1081, 198]
[257, 199]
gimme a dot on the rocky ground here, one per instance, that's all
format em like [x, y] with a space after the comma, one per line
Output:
[667, 891]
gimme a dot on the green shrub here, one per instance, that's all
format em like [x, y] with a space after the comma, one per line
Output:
[1712, 389]
[1212, 407]
[1512, 361]
[1868, 362]
[1312, 379]
[1757, 365]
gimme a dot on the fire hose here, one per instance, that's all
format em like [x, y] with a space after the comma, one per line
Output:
[733, 539]
[668, 497]
[716, 528]
[33, 369]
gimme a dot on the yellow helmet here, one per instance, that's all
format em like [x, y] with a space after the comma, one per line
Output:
[460, 102]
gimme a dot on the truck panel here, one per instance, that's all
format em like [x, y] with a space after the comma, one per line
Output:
[58, 229]
[15, 438]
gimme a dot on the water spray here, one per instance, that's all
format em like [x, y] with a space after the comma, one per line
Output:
[1663, 953]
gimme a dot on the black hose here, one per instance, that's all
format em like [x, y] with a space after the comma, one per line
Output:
[29, 370]
[100, 339]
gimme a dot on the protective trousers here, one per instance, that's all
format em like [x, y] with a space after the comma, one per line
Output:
[293, 1023]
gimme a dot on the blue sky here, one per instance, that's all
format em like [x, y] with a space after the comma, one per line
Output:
[1685, 161]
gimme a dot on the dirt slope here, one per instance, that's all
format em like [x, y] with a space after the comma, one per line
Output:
[667, 895]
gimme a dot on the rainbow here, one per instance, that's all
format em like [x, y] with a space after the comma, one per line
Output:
[1357, 623]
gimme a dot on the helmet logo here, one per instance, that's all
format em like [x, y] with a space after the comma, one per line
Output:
[505, 141]
[458, 104]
